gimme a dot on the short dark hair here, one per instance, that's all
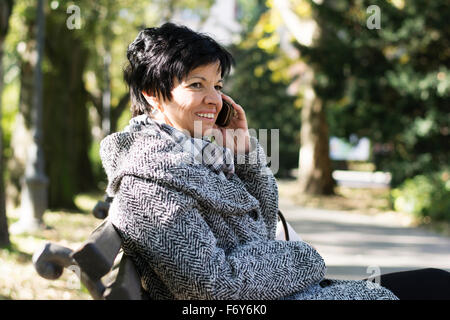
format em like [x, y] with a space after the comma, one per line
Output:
[158, 55]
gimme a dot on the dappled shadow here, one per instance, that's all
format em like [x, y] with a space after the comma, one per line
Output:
[369, 200]
[348, 240]
[361, 236]
[19, 256]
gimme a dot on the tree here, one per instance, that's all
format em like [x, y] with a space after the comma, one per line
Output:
[116, 26]
[391, 83]
[314, 161]
[34, 183]
[5, 13]
[268, 105]
[75, 80]
[388, 83]
[21, 136]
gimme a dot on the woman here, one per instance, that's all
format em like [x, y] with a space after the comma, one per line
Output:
[198, 215]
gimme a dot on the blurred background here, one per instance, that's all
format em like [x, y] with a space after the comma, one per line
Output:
[359, 91]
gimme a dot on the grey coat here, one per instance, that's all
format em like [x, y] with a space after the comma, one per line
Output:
[197, 233]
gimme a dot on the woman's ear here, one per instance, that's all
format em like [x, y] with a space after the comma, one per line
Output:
[152, 101]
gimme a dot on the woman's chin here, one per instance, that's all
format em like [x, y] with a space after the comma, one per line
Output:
[209, 130]
[205, 127]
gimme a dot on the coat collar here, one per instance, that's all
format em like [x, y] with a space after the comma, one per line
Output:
[144, 149]
[204, 150]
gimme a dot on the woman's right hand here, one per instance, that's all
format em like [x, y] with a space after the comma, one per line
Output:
[235, 136]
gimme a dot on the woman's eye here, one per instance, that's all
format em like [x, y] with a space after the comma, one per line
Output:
[196, 85]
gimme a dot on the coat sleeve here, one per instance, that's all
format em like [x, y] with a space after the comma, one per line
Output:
[259, 181]
[168, 232]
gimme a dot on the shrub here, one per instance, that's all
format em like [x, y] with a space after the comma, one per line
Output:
[424, 196]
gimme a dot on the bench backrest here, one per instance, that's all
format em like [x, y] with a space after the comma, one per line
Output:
[99, 257]
[103, 268]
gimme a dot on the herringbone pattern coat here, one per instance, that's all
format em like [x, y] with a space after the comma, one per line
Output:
[195, 233]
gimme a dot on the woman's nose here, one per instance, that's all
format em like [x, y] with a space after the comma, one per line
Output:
[213, 98]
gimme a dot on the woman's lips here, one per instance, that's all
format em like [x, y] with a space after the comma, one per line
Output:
[211, 115]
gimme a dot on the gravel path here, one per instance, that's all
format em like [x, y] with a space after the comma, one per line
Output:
[356, 246]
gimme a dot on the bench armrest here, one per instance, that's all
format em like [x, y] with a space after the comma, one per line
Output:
[51, 260]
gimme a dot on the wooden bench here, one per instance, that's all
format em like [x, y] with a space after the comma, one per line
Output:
[103, 268]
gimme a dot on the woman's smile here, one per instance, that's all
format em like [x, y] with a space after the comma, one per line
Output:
[206, 116]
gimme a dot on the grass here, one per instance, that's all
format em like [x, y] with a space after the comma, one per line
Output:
[361, 200]
[18, 278]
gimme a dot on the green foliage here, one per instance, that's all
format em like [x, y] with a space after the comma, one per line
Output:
[267, 104]
[259, 85]
[9, 111]
[11, 73]
[424, 196]
[390, 84]
[74, 79]
[249, 12]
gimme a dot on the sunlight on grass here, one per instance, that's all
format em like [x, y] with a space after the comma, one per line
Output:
[85, 202]
[19, 279]
[367, 201]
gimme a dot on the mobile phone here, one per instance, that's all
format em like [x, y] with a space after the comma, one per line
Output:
[225, 115]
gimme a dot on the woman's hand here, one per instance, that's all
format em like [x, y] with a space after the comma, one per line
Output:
[235, 136]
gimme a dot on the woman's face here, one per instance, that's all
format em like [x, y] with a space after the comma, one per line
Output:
[196, 100]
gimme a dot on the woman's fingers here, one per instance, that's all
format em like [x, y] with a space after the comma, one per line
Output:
[238, 138]
[228, 99]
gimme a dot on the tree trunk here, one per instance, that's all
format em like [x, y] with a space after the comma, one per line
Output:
[314, 161]
[314, 173]
[65, 119]
[5, 13]
[66, 126]
[4, 234]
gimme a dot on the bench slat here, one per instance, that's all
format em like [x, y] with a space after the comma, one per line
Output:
[127, 285]
[96, 257]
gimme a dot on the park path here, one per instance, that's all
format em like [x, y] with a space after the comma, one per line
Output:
[355, 245]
